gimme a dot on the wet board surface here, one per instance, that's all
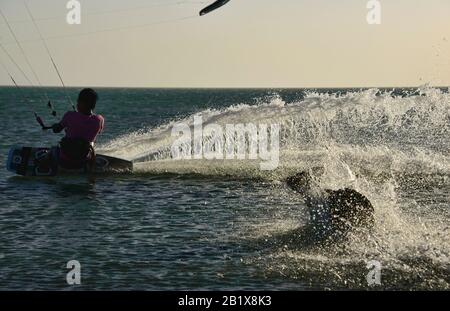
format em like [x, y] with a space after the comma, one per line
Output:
[30, 161]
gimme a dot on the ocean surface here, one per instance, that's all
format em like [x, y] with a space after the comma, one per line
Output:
[228, 225]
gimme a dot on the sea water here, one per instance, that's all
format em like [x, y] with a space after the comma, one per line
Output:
[213, 224]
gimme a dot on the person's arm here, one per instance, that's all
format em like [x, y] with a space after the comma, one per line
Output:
[102, 128]
[59, 127]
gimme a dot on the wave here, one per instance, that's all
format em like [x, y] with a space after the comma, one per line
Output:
[361, 129]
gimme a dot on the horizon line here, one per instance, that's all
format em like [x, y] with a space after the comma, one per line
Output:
[221, 87]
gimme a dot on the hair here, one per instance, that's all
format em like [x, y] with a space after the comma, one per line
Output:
[89, 97]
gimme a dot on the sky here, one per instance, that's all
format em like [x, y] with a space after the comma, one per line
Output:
[246, 43]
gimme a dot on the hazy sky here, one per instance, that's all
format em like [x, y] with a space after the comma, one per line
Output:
[247, 43]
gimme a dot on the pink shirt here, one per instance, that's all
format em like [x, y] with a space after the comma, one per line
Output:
[78, 125]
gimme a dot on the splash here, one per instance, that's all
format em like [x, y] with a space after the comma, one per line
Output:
[394, 149]
[357, 131]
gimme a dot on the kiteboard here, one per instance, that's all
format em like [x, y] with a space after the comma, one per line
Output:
[42, 162]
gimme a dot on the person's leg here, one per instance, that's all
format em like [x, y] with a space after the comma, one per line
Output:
[44, 162]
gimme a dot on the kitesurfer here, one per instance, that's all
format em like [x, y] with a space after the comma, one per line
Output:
[333, 213]
[82, 128]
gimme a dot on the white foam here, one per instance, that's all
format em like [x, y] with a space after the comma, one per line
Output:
[379, 132]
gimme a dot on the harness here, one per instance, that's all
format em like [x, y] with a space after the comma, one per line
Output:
[76, 153]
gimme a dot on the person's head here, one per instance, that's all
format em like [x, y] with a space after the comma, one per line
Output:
[87, 99]
[300, 182]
